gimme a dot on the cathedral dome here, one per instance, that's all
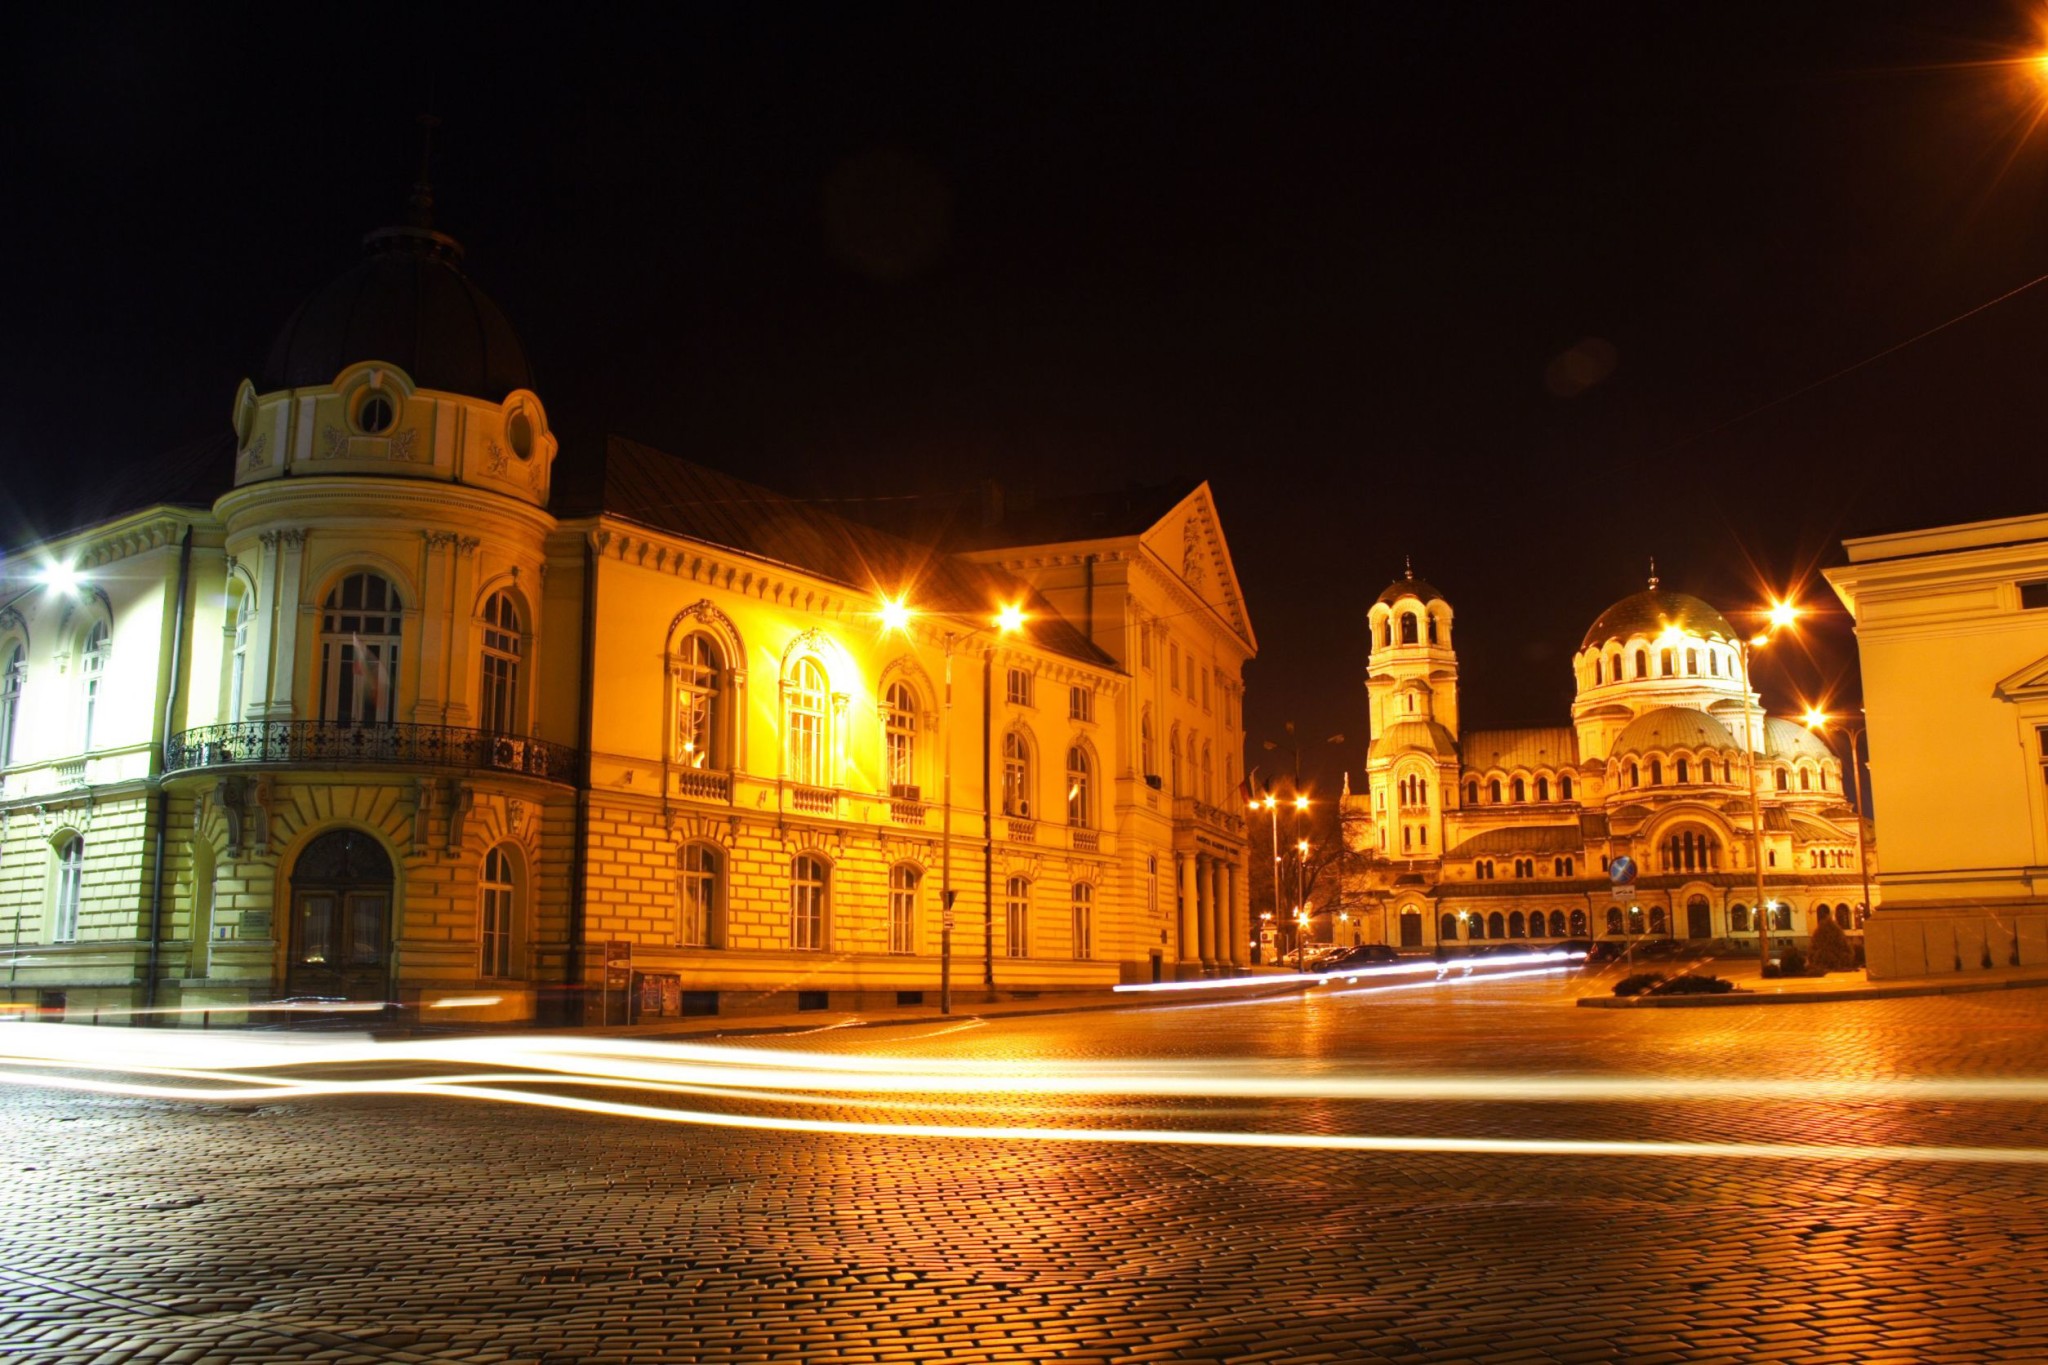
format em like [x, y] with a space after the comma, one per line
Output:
[1425, 736]
[1673, 727]
[1653, 612]
[407, 302]
[1411, 586]
[1790, 739]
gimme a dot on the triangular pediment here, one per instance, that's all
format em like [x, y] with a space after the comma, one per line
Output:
[2028, 684]
[1188, 540]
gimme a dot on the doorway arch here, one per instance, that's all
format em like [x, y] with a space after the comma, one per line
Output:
[1699, 918]
[340, 943]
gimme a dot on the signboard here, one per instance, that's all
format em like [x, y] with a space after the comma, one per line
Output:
[660, 995]
[1621, 877]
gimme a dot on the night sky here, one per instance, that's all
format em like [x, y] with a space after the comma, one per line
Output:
[1502, 288]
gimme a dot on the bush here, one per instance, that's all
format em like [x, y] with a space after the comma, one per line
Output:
[1642, 983]
[1791, 962]
[1829, 950]
[1694, 985]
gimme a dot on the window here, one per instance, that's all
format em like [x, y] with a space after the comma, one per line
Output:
[1081, 703]
[1635, 776]
[1516, 927]
[1447, 927]
[1173, 759]
[495, 891]
[1781, 917]
[70, 877]
[1017, 776]
[1663, 663]
[1691, 850]
[92, 671]
[1173, 665]
[1409, 628]
[374, 414]
[1205, 691]
[1387, 631]
[1692, 661]
[1018, 684]
[697, 924]
[1714, 663]
[238, 661]
[1542, 789]
[1084, 920]
[1016, 917]
[899, 738]
[1148, 748]
[696, 669]
[11, 680]
[1598, 673]
[1784, 780]
[2033, 596]
[1145, 644]
[1805, 780]
[498, 712]
[1642, 663]
[1493, 790]
[1614, 924]
[903, 879]
[359, 633]
[1496, 925]
[1682, 772]
[1208, 773]
[808, 884]
[1077, 786]
[1614, 666]
[804, 699]
[1564, 789]
[1432, 628]
[1521, 791]
[1471, 793]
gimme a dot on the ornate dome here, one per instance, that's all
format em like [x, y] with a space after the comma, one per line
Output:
[1673, 727]
[1790, 739]
[1654, 611]
[406, 302]
[1425, 735]
[1408, 585]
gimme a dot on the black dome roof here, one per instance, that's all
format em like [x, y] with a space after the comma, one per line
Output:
[406, 302]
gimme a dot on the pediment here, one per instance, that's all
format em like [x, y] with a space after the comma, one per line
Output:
[2027, 684]
[1189, 541]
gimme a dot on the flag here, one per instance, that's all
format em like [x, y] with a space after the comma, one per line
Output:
[1248, 790]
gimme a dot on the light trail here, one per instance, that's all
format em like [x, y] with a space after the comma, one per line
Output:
[1475, 966]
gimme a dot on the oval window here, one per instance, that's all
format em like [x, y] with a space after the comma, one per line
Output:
[519, 433]
[375, 415]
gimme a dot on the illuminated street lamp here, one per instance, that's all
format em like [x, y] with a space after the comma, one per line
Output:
[1818, 722]
[1780, 616]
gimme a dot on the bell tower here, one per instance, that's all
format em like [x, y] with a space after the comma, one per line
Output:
[1411, 668]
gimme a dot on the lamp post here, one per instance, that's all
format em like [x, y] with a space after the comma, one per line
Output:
[1818, 721]
[1781, 614]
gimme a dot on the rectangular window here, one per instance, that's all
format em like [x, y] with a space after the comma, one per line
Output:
[1144, 644]
[1016, 913]
[1084, 920]
[1173, 665]
[1205, 691]
[1019, 687]
[2034, 595]
[807, 905]
[70, 878]
[903, 910]
[1081, 703]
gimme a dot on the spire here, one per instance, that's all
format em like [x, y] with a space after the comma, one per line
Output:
[1407, 567]
[421, 201]
[418, 237]
[1653, 573]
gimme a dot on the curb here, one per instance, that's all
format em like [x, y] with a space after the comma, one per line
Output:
[1740, 997]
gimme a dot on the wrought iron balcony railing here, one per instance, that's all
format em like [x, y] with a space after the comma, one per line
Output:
[323, 741]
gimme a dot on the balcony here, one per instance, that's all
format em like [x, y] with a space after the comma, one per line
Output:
[1087, 840]
[702, 784]
[814, 800]
[907, 812]
[1188, 810]
[338, 744]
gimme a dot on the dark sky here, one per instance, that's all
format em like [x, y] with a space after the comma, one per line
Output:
[1488, 285]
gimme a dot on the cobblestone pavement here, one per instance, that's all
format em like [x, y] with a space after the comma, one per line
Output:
[407, 1229]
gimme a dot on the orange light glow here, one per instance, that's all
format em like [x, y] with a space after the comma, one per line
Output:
[895, 614]
[1816, 720]
[1783, 614]
[1009, 618]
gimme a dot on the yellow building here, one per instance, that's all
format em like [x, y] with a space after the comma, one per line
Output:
[1465, 835]
[393, 700]
[1952, 633]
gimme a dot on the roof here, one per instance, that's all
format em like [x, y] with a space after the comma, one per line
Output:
[1654, 611]
[407, 302]
[1790, 739]
[1425, 735]
[190, 475]
[987, 516]
[1522, 839]
[1410, 586]
[664, 492]
[1673, 727]
[1535, 746]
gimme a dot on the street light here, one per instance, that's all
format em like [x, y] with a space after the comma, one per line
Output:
[1780, 615]
[1818, 722]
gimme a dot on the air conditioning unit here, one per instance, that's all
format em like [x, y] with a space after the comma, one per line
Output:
[904, 791]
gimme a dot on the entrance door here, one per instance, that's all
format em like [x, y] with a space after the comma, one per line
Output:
[1411, 928]
[1699, 920]
[341, 919]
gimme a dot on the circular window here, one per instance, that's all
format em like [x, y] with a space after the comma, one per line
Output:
[375, 415]
[519, 431]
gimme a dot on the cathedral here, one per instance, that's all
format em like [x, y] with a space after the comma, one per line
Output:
[1464, 836]
[388, 697]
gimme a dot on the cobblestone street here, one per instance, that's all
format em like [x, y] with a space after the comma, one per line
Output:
[399, 1228]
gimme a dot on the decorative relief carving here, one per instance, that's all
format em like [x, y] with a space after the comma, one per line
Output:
[466, 545]
[257, 455]
[399, 446]
[1191, 552]
[440, 540]
[333, 444]
[495, 459]
[290, 535]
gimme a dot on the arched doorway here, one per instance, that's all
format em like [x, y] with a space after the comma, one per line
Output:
[1411, 927]
[1699, 918]
[341, 919]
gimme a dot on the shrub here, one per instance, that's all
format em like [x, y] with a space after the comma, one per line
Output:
[1642, 983]
[1792, 963]
[1829, 950]
[1694, 985]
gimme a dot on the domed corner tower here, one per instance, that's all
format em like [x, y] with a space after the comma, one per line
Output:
[1412, 698]
[1653, 650]
[401, 368]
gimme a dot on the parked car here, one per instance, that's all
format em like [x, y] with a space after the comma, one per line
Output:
[1361, 955]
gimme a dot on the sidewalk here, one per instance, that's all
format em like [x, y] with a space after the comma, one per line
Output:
[1752, 989]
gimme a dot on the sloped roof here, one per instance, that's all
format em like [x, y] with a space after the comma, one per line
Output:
[1535, 746]
[190, 475]
[1425, 735]
[1522, 839]
[1790, 739]
[1673, 727]
[987, 516]
[664, 492]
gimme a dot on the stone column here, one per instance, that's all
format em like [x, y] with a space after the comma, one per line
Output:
[1240, 915]
[1219, 910]
[1184, 906]
[1204, 923]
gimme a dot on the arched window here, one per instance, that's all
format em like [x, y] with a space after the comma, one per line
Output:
[1471, 793]
[1016, 917]
[805, 700]
[1409, 632]
[1447, 927]
[1493, 790]
[1208, 774]
[92, 670]
[70, 880]
[1658, 923]
[1683, 772]
[698, 669]
[1707, 770]
[1692, 661]
[1543, 789]
[1738, 918]
[1521, 791]
[238, 658]
[1017, 776]
[1432, 628]
[1663, 663]
[1387, 631]
[1496, 926]
[496, 894]
[12, 677]
[1635, 775]
[899, 738]
[1579, 923]
[1656, 772]
[1781, 917]
[1173, 760]
[1084, 920]
[1517, 927]
[1475, 925]
[1642, 663]
[1567, 867]
[1784, 780]
[359, 630]
[1713, 663]
[809, 887]
[1614, 666]
[1805, 780]
[1077, 786]
[500, 676]
[1564, 789]
[1148, 755]
[698, 923]
[903, 879]
[1599, 673]
[1614, 922]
